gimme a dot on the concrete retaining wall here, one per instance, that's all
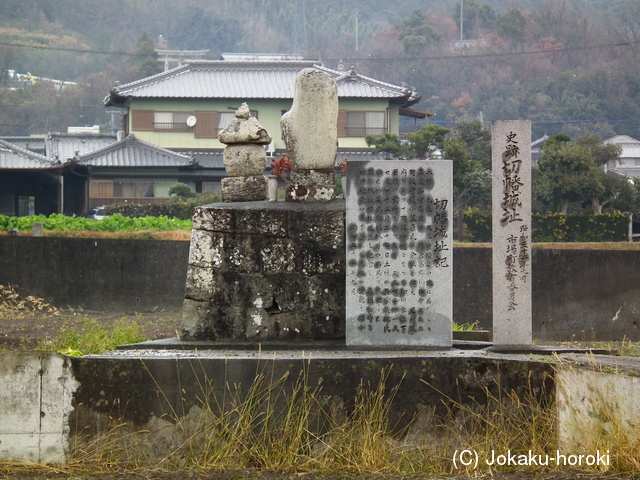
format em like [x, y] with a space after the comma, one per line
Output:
[49, 402]
[597, 405]
[577, 294]
[108, 275]
[52, 402]
[35, 404]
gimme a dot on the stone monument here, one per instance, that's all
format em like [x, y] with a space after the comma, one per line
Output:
[261, 271]
[511, 212]
[37, 230]
[310, 132]
[399, 253]
[245, 158]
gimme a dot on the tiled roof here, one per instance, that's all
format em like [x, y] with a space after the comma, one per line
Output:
[64, 146]
[618, 139]
[13, 157]
[214, 158]
[209, 159]
[33, 143]
[630, 147]
[359, 156]
[251, 80]
[132, 152]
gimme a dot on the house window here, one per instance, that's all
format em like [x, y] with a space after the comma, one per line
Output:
[211, 187]
[361, 124]
[133, 189]
[102, 189]
[171, 121]
[26, 206]
[207, 124]
[224, 118]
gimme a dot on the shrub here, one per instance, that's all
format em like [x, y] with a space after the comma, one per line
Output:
[557, 227]
[180, 208]
[114, 223]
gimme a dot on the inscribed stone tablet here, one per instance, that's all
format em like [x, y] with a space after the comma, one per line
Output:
[399, 253]
[511, 225]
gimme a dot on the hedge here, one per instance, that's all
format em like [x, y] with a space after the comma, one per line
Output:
[181, 208]
[557, 227]
[114, 223]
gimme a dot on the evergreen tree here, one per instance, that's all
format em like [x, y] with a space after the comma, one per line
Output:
[147, 57]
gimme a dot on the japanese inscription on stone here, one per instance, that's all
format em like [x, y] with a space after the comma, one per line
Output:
[511, 147]
[399, 253]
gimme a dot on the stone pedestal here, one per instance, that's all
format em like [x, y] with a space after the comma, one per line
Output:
[311, 186]
[244, 189]
[266, 271]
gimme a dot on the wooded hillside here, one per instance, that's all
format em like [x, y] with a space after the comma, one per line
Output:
[570, 66]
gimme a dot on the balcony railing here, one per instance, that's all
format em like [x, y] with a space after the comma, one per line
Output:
[172, 127]
[364, 131]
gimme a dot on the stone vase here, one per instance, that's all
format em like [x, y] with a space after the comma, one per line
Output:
[272, 185]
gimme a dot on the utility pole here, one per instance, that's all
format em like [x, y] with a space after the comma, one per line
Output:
[357, 40]
[461, 20]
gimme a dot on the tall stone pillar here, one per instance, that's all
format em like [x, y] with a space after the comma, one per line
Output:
[310, 132]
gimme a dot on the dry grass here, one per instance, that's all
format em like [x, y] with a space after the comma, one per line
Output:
[278, 425]
[605, 417]
[15, 306]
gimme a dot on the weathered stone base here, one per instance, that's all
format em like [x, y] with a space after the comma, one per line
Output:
[244, 189]
[266, 271]
[311, 186]
[244, 160]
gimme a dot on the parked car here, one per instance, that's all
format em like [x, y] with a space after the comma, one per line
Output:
[97, 213]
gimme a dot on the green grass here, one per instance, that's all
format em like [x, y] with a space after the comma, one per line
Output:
[91, 337]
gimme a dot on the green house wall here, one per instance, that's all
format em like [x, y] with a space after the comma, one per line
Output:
[269, 113]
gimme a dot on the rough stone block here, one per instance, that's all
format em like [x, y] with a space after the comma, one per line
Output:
[244, 160]
[197, 319]
[203, 283]
[277, 255]
[317, 261]
[324, 178]
[267, 222]
[207, 249]
[248, 290]
[289, 326]
[244, 189]
[326, 292]
[290, 291]
[325, 229]
[327, 324]
[241, 254]
[244, 129]
[213, 219]
[310, 193]
[310, 127]
[258, 326]
[280, 268]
